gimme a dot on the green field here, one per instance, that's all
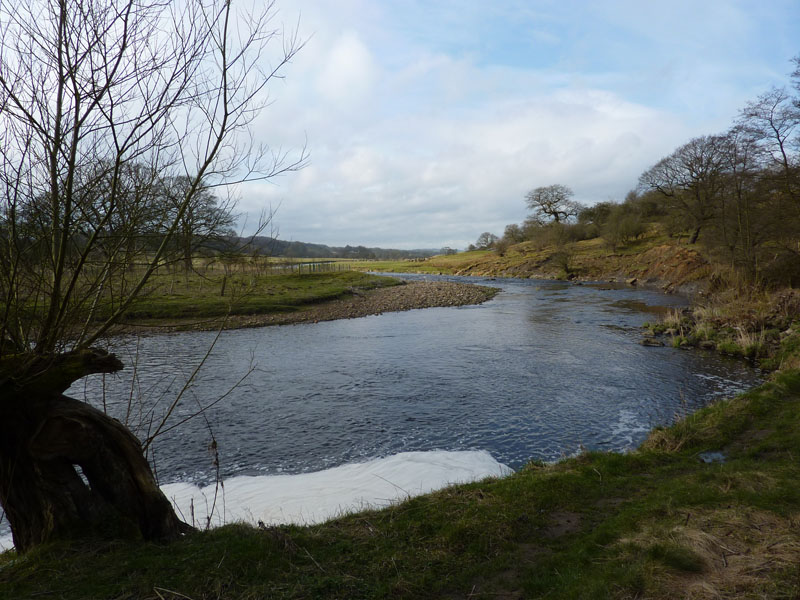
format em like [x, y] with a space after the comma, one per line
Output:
[435, 265]
[247, 292]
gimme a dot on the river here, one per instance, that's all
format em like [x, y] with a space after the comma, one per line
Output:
[539, 372]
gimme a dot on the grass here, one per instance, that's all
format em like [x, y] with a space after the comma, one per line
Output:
[760, 325]
[437, 265]
[654, 256]
[655, 523]
[178, 296]
[214, 289]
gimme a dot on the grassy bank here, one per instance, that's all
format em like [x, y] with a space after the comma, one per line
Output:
[758, 325]
[707, 508]
[210, 295]
[653, 259]
[435, 265]
[656, 523]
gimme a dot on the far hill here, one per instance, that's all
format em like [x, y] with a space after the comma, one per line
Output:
[275, 247]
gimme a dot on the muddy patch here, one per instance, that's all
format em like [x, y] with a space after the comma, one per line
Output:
[562, 523]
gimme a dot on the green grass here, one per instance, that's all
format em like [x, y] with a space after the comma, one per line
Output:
[588, 259]
[655, 523]
[214, 290]
[436, 265]
[176, 297]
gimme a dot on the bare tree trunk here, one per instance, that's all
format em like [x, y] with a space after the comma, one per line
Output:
[44, 438]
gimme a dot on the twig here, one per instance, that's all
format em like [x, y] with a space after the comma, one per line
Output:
[313, 560]
[394, 485]
[158, 591]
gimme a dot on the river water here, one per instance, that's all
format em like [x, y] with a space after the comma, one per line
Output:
[539, 372]
[536, 373]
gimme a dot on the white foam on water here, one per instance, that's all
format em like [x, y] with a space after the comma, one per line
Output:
[310, 498]
[628, 426]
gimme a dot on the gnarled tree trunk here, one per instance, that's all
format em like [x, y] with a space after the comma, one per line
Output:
[48, 441]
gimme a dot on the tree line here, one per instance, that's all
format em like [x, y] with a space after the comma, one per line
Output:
[270, 246]
[735, 193]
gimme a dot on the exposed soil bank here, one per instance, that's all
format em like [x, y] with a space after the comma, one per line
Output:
[408, 296]
[670, 268]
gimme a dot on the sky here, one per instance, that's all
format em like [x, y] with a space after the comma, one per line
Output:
[426, 122]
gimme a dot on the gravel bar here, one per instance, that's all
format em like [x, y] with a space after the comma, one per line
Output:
[406, 296]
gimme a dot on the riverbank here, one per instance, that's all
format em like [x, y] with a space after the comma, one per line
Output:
[653, 261]
[356, 301]
[707, 508]
[727, 315]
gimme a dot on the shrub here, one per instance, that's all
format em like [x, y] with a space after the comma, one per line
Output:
[623, 226]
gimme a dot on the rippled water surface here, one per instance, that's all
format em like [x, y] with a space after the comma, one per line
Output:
[536, 373]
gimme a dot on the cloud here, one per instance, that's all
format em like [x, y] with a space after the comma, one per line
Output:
[419, 140]
[348, 73]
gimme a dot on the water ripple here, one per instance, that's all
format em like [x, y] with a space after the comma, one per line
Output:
[538, 372]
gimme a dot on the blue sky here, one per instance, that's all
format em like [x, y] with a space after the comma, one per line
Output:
[428, 121]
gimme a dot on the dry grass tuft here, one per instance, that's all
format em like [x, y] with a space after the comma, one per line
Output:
[742, 552]
[665, 440]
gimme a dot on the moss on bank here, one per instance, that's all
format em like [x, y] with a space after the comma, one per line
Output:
[656, 523]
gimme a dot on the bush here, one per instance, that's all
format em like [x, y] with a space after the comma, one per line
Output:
[623, 226]
[558, 234]
[502, 245]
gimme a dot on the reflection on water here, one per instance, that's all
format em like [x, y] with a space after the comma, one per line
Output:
[533, 374]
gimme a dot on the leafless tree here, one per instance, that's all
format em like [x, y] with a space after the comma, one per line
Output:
[102, 103]
[773, 123]
[207, 219]
[690, 179]
[486, 240]
[552, 203]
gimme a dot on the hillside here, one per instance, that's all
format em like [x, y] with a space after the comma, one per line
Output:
[653, 260]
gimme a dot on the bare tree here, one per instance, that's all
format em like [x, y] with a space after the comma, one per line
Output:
[206, 219]
[514, 234]
[690, 179]
[773, 122]
[552, 203]
[486, 240]
[102, 102]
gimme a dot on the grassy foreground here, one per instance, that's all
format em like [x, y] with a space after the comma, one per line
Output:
[655, 523]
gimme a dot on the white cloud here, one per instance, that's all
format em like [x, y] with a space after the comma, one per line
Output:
[348, 73]
[419, 142]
